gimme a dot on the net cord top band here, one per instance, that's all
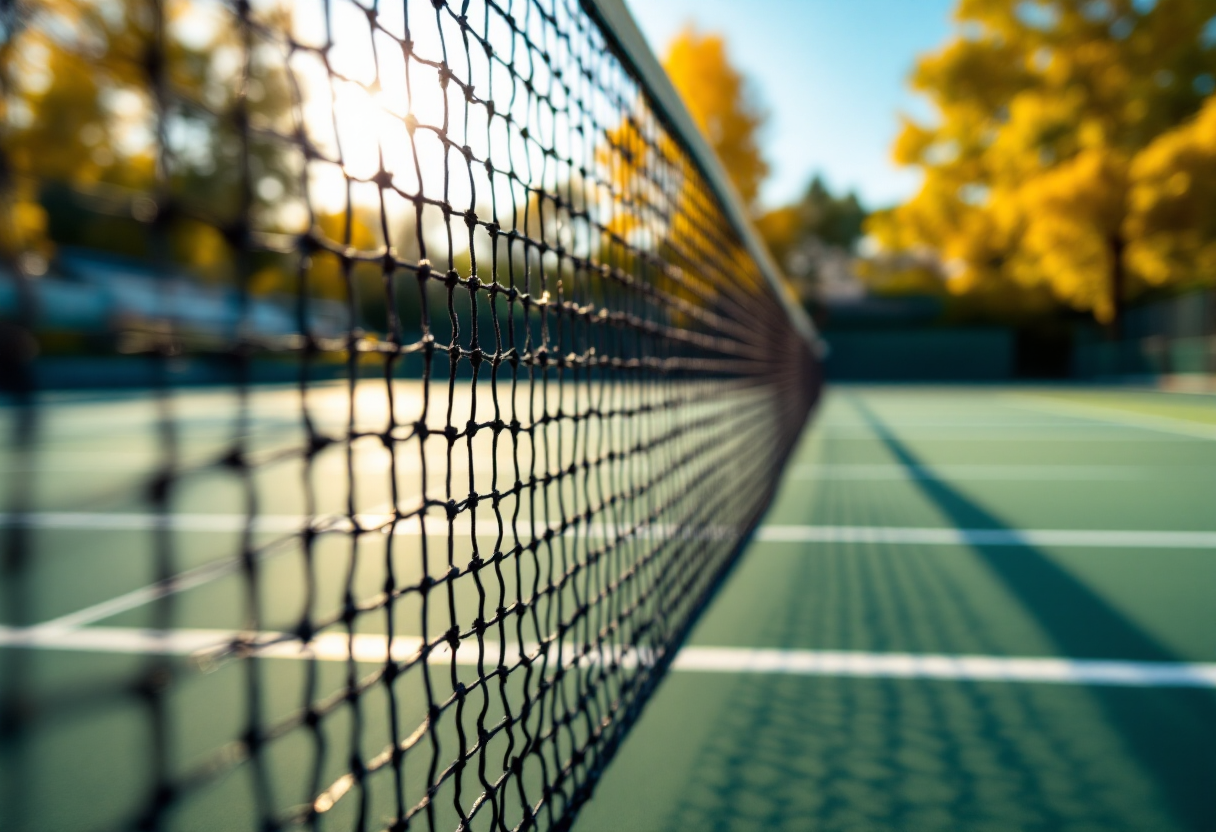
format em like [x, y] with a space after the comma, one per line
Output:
[619, 27]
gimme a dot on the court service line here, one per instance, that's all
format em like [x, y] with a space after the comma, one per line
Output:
[207, 644]
[410, 527]
[180, 582]
[887, 535]
[993, 473]
[773, 533]
[897, 535]
[1114, 416]
[1120, 436]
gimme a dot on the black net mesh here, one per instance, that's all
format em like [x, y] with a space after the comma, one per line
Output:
[453, 394]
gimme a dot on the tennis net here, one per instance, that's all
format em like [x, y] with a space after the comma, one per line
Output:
[459, 381]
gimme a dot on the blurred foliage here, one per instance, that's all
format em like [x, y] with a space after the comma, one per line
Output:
[104, 152]
[814, 235]
[1172, 217]
[719, 100]
[99, 147]
[836, 221]
[657, 201]
[1066, 154]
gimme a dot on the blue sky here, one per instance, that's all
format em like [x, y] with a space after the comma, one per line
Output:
[831, 73]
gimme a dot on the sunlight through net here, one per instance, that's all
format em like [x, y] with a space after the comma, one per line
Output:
[456, 392]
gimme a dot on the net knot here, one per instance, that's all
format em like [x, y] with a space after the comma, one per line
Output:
[159, 487]
[252, 739]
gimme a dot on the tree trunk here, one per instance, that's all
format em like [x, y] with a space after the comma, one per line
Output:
[1118, 286]
[1118, 294]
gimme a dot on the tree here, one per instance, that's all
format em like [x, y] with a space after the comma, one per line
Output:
[814, 235]
[1172, 191]
[719, 100]
[85, 131]
[1044, 108]
[833, 220]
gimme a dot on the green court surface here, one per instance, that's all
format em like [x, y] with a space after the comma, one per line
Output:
[765, 751]
[1053, 553]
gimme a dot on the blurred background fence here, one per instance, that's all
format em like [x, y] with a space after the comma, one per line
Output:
[91, 309]
[1169, 341]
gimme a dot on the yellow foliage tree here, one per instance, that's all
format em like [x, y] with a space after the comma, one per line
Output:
[718, 98]
[1033, 168]
[1172, 224]
[84, 129]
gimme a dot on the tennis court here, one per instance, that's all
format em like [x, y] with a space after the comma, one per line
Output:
[460, 460]
[983, 525]
[287, 642]
[821, 746]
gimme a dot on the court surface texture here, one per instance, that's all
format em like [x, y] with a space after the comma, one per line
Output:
[980, 609]
[969, 608]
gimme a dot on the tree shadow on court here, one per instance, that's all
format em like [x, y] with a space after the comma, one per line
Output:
[873, 754]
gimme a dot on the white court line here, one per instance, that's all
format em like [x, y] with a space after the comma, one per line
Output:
[1119, 436]
[953, 668]
[997, 473]
[1115, 416]
[180, 582]
[293, 524]
[411, 527]
[770, 533]
[148, 521]
[407, 463]
[204, 644]
[987, 537]
[970, 424]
